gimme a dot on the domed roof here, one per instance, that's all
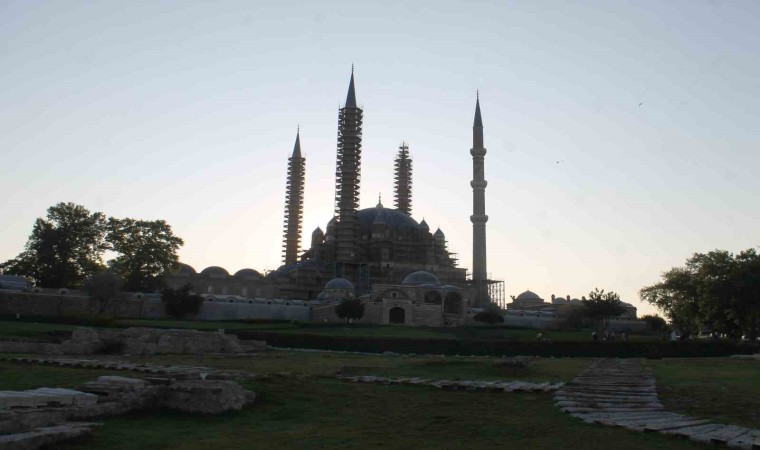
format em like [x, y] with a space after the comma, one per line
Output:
[528, 295]
[438, 232]
[424, 225]
[393, 217]
[309, 264]
[248, 273]
[215, 271]
[185, 269]
[421, 277]
[339, 283]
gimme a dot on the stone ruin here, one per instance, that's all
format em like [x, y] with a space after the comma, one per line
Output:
[40, 417]
[139, 341]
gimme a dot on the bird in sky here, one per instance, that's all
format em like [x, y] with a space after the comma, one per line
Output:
[640, 104]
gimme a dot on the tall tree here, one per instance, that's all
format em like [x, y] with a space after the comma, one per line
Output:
[64, 248]
[717, 290]
[147, 249]
[602, 306]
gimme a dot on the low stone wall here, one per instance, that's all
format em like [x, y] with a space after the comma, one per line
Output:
[50, 303]
[242, 310]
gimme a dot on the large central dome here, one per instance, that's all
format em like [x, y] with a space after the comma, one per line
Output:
[392, 217]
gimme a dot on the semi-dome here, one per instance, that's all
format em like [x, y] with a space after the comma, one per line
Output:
[528, 295]
[186, 269]
[249, 274]
[215, 271]
[339, 283]
[421, 277]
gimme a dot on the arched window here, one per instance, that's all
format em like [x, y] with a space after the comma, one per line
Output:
[397, 315]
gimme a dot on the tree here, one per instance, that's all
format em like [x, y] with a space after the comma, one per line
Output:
[655, 323]
[716, 290]
[147, 250]
[104, 286]
[489, 316]
[181, 302]
[64, 248]
[350, 308]
[601, 306]
[573, 316]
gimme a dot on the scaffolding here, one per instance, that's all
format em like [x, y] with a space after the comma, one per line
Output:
[403, 180]
[294, 191]
[347, 179]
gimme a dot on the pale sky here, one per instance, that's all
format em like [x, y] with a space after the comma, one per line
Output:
[187, 111]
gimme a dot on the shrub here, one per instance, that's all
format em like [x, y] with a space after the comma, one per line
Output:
[351, 308]
[489, 316]
[181, 303]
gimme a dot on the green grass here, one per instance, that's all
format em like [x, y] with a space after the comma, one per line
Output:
[326, 414]
[22, 376]
[330, 364]
[32, 329]
[723, 389]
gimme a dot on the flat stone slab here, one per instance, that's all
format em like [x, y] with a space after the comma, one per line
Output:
[721, 435]
[36, 398]
[45, 436]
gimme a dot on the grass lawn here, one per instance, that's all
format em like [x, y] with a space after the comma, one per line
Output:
[724, 389]
[30, 330]
[432, 367]
[321, 413]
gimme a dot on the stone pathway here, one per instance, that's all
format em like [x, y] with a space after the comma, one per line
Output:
[620, 392]
[156, 369]
[469, 385]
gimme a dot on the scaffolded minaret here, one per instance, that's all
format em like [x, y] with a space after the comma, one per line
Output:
[478, 217]
[291, 241]
[348, 175]
[403, 180]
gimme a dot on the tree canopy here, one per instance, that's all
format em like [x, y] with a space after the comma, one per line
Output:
[717, 291]
[147, 250]
[351, 308]
[602, 306]
[66, 248]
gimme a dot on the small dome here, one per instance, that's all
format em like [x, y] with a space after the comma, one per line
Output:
[248, 274]
[438, 233]
[424, 225]
[528, 295]
[185, 269]
[339, 283]
[317, 232]
[215, 271]
[421, 277]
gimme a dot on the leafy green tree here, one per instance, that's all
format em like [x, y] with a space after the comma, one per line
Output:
[573, 316]
[350, 308]
[716, 290]
[147, 249]
[655, 323]
[601, 306]
[64, 248]
[104, 286]
[180, 303]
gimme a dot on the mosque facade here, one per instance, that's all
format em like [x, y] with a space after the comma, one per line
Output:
[403, 272]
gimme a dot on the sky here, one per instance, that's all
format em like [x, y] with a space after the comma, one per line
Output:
[622, 136]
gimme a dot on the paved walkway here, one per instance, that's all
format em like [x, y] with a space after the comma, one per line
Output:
[621, 392]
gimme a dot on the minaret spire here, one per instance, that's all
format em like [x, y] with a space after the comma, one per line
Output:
[348, 175]
[293, 203]
[351, 97]
[478, 217]
[403, 180]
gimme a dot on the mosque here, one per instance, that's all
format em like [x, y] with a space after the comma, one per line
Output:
[402, 271]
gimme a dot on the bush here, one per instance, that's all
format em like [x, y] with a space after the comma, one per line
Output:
[489, 316]
[181, 303]
[351, 308]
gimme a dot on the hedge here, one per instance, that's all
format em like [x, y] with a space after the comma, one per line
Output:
[502, 347]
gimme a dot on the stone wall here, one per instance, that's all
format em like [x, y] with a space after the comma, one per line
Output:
[51, 303]
[255, 309]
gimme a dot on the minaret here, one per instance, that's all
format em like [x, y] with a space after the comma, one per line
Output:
[348, 175]
[403, 180]
[478, 217]
[293, 204]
